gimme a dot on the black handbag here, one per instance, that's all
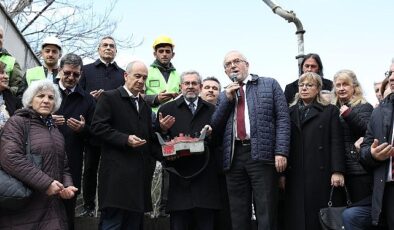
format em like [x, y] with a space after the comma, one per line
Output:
[13, 193]
[331, 217]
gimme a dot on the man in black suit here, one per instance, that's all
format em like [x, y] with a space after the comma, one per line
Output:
[73, 119]
[123, 123]
[102, 75]
[193, 200]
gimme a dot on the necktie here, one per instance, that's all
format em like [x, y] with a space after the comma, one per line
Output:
[67, 91]
[241, 130]
[192, 107]
[135, 101]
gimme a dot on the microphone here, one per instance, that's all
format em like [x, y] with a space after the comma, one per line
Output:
[235, 79]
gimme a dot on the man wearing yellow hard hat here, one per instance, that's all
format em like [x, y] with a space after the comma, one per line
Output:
[163, 81]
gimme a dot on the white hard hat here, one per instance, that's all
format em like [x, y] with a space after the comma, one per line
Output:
[52, 41]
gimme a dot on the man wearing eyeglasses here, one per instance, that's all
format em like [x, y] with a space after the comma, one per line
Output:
[377, 156]
[253, 118]
[51, 51]
[102, 75]
[192, 202]
[73, 119]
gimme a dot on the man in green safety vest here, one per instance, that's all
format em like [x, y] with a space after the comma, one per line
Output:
[12, 69]
[51, 51]
[163, 81]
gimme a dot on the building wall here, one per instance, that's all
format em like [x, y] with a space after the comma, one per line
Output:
[15, 43]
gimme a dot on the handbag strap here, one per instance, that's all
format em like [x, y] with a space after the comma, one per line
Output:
[27, 140]
[348, 201]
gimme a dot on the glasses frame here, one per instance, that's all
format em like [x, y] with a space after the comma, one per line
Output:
[234, 62]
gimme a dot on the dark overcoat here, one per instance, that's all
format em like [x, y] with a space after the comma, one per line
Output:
[73, 105]
[43, 211]
[316, 152]
[201, 191]
[124, 178]
[380, 127]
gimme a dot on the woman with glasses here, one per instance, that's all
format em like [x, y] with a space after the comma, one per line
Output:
[316, 155]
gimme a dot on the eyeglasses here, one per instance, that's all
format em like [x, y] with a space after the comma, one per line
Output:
[307, 85]
[70, 73]
[235, 62]
[388, 73]
[104, 45]
[187, 83]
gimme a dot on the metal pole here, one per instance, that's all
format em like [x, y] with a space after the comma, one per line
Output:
[290, 16]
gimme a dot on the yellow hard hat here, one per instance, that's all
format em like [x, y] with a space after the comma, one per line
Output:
[162, 39]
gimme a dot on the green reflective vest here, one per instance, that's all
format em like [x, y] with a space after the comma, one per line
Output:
[10, 62]
[35, 74]
[155, 83]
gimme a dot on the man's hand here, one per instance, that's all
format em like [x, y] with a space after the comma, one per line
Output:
[76, 125]
[167, 122]
[208, 128]
[337, 179]
[280, 163]
[96, 93]
[231, 89]
[381, 152]
[135, 141]
[163, 96]
[59, 119]
[68, 192]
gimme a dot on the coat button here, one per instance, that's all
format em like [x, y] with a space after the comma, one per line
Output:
[381, 180]
[320, 147]
[320, 126]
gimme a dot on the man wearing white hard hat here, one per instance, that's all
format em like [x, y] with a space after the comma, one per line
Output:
[51, 52]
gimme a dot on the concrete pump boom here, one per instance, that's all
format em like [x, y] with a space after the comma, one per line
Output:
[290, 16]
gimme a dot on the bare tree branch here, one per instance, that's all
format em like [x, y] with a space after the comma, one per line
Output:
[77, 24]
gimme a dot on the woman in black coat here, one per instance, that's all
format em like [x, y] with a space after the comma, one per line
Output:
[355, 113]
[8, 102]
[316, 159]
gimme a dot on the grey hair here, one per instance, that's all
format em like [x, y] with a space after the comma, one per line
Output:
[107, 37]
[189, 72]
[38, 86]
[236, 52]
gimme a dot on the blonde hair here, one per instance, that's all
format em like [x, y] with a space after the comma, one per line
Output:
[349, 77]
[315, 78]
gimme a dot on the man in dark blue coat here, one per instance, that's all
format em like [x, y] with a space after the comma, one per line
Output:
[102, 75]
[73, 119]
[253, 118]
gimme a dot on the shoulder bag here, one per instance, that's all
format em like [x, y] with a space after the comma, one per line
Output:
[13, 193]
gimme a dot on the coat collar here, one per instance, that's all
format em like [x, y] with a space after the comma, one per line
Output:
[201, 103]
[314, 111]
